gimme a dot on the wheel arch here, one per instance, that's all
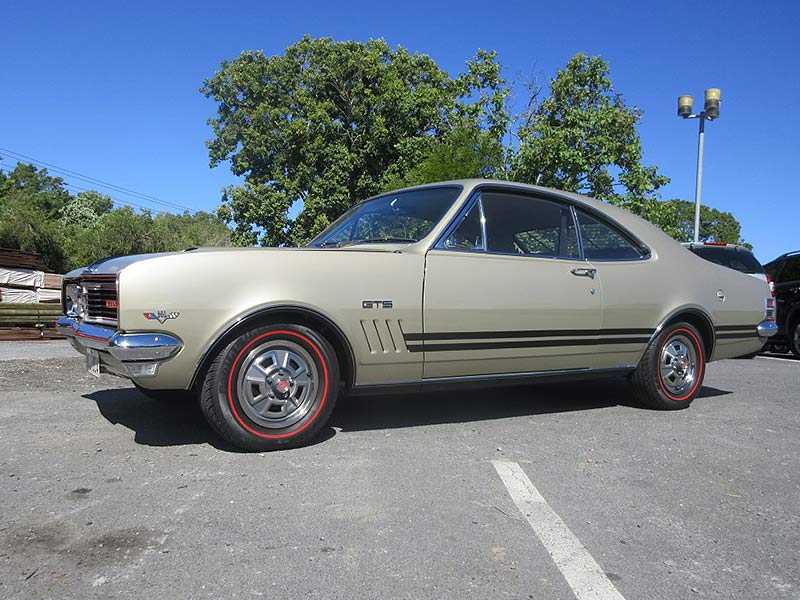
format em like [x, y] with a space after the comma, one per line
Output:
[694, 316]
[296, 315]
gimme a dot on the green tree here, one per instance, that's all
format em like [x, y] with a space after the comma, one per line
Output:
[39, 215]
[179, 232]
[85, 208]
[329, 123]
[715, 225]
[583, 138]
[460, 154]
[30, 202]
[120, 231]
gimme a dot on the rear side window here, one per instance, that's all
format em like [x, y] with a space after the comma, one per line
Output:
[530, 226]
[603, 242]
[733, 258]
[790, 271]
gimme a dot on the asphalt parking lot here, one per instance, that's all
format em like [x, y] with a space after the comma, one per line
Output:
[106, 494]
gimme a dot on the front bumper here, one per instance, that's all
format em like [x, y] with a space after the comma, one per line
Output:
[133, 355]
[767, 329]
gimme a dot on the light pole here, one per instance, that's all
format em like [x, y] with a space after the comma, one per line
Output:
[710, 112]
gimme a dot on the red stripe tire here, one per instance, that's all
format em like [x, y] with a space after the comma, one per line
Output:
[273, 387]
[671, 371]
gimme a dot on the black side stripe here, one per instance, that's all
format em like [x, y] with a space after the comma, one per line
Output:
[738, 336]
[522, 344]
[483, 335]
[749, 327]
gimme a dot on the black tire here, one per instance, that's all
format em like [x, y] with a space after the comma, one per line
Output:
[168, 396]
[234, 384]
[794, 337]
[651, 389]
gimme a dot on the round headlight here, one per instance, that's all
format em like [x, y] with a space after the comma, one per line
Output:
[73, 300]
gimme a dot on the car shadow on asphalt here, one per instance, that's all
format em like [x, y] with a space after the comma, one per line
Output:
[389, 412]
[180, 423]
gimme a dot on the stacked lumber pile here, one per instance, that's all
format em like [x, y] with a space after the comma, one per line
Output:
[28, 295]
[37, 314]
[23, 280]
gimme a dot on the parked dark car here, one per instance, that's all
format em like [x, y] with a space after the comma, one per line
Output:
[784, 272]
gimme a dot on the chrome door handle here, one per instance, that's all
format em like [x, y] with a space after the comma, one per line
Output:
[581, 272]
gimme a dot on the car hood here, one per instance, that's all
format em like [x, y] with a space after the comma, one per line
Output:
[113, 265]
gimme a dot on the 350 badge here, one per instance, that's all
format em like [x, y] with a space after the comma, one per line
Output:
[162, 316]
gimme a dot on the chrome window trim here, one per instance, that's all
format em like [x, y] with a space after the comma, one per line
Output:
[577, 231]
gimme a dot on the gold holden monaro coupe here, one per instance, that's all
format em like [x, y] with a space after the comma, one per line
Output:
[466, 282]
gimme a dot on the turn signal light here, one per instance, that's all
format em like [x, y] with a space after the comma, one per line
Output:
[771, 285]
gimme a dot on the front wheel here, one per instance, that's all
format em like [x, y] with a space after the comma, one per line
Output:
[670, 373]
[273, 387]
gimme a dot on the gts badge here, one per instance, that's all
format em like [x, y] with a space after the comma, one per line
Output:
[161, 316]
[376, 304]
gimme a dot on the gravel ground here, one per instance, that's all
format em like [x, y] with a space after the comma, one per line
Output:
[106, 494]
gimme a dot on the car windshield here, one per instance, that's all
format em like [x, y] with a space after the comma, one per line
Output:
[396, 217]
[733, 258]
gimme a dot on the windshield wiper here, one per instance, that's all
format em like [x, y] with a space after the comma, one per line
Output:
[377, 240]
[374, 240]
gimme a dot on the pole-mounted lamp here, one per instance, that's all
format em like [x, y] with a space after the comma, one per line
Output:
[710, 112]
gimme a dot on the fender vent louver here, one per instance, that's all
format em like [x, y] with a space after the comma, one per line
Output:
[383, 336]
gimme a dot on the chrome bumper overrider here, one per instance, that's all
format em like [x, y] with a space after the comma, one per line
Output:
[125, 354]
[767, 328]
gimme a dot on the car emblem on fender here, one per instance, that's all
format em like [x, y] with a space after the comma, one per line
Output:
[161, 316]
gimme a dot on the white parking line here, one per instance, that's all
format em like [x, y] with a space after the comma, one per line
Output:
[583, 574]
[792, 360]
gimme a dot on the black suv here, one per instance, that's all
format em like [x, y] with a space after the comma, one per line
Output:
[784, 272]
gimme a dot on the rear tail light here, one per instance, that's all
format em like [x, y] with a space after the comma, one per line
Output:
[771, 285]
[714, 244]
[769, 311]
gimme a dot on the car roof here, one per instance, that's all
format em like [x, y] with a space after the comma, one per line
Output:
[782, 256]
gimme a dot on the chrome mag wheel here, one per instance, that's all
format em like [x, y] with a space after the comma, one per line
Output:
[678, 365]
[277, 383]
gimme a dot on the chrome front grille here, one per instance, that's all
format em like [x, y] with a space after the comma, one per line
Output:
[102, 303]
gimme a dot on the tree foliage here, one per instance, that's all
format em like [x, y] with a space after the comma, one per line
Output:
[715, 225]
[329, 123]
[583, 138]
[38, 214]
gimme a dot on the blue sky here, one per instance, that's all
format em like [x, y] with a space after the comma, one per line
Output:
[110, 90]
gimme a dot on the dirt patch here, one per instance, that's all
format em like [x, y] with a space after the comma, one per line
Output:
[63, 546]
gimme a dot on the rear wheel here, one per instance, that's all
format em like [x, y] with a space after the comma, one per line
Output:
[671, 371]
[271, 388]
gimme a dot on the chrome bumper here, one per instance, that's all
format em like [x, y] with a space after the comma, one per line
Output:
[126, 354]
[767, 328]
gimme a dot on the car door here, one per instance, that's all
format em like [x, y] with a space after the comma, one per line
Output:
[631, 296]
[506, 291]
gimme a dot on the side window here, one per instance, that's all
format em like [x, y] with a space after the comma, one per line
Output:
[790, 271]
[469, 234]
[520, 224]
[602, 242]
